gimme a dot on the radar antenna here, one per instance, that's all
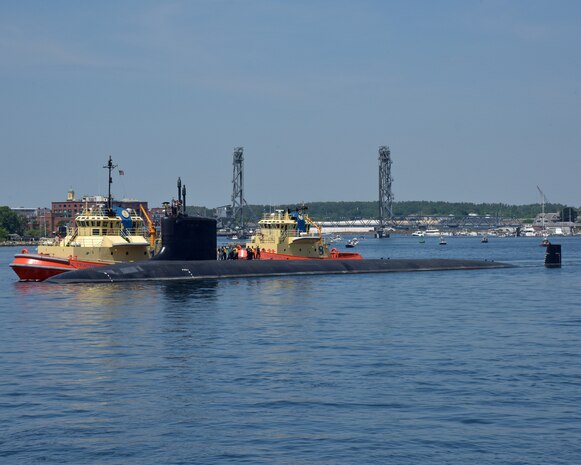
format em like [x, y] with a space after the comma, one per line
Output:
[110, 166]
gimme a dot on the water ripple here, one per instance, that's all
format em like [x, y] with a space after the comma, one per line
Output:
[448, 367]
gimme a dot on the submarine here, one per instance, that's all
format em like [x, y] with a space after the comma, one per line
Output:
[189, 253]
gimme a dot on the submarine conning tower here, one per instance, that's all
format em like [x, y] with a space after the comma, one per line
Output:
[186, 237]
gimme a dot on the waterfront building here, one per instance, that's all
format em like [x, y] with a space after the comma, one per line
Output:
[35, 218]
[64, 212]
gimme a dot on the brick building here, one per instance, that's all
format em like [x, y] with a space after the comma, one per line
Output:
[64, 212]
[35, 218]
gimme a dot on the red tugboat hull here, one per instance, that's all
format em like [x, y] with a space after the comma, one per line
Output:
[38, 267]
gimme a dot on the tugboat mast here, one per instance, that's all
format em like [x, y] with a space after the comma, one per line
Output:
[110, 166]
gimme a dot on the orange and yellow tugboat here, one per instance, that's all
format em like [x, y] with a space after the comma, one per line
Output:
[101, 236]
[286, 235]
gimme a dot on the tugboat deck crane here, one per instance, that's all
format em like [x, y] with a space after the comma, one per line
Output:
[151, 227]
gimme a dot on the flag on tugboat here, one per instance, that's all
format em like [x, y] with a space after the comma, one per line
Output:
[121, 173]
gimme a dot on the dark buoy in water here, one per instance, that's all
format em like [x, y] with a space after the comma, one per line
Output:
[553, 256]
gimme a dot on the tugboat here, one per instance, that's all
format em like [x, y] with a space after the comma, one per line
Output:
[286, 235]
[100, 237]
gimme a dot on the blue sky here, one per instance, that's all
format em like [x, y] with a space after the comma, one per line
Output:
[478, 100]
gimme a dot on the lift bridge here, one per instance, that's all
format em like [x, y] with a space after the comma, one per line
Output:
[385, 222]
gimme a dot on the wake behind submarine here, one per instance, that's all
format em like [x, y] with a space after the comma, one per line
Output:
[189, 253]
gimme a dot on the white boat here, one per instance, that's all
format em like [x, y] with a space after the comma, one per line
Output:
[352, 243]
[433, 232]
[528, 231]
[418, 234]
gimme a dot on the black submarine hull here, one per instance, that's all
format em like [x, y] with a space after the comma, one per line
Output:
[188, 270]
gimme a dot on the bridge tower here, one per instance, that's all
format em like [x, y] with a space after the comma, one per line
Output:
[238, 188]
[385, 194]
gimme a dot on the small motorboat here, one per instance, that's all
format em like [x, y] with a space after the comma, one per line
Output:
[442, 240]
[335, 238]
[352, 243]
[484, 239]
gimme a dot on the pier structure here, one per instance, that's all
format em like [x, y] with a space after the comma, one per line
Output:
[458, 223]
[417, 222]
[385, 194]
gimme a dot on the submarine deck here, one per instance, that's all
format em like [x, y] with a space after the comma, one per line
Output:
[175, 270]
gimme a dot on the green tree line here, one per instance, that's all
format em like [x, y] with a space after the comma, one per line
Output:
[334, 211]
[10, 223]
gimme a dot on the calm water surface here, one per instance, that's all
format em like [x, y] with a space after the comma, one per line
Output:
[455, 367]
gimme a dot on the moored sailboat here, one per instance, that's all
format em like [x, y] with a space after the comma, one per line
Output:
[545, 242]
